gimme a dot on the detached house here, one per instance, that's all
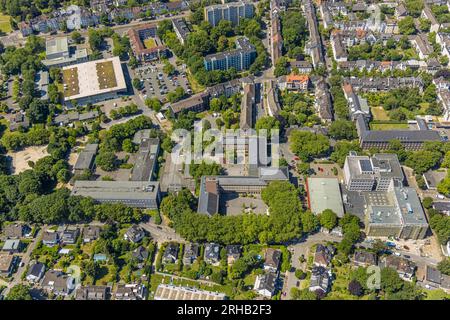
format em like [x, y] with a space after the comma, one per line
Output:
[191, 251]
[323, 255]
[171, 253]
[404, 267]
[265, 284]
[272, 259]
[364, 259]
[50, 238]
[36, 272]
[212, 253]
[134, 234]
[58, 283]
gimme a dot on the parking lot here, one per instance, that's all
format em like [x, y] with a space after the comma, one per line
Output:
[157, 84]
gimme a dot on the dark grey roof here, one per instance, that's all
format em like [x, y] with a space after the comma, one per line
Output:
[86, 157]
[441, 206]
[36, 269]
[146, 160]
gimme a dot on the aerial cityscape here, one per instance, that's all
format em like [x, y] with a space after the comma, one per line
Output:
[225, 150]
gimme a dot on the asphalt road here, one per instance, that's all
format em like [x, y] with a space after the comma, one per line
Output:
[161, 233]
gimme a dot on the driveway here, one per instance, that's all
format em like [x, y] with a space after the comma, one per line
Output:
[161, 233]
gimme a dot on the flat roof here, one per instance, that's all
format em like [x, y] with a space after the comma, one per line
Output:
[134, 193]
[56, 45]
[93, 78]
[325, 193]
[146, 160]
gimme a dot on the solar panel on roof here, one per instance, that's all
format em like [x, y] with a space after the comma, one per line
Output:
[366, 165]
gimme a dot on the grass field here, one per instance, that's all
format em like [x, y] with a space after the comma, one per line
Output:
[149, 43]
[106, 75]
[388, 126]
[379, 113]
[5, 26]
[196, 87]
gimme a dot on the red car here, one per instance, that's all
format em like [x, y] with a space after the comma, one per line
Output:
[296, 158]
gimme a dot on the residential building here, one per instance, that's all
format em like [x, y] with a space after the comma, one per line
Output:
[19, 120]
[36, 272]
[247, 107]
[233, 12]
[182, 29]
[139, 194]
[301, 66]
[58, 283]
[363, 173]
[323, 255]
[67, 119]
[434, 279]
[265, 284]
[93, 81]
[91, 292]
[195, 103]
[100, 257]
[191, 252]
[212, 253]
[322, 103]
[12, 246]
[171, 253]
[233, 253]
[140, 254]
[272, 260]
[134, 234]
[91, 233]
[50, 238]
[240, 59]
[442, 207]
[364, 258]
[16, 231]
[170, 292]
[59, 54]
[314, 46]
[7, 264]
[132, 291]
[292, 82]
[404, 267]
[324, 193]
[145, 43]
[70, 235]
[320, 279]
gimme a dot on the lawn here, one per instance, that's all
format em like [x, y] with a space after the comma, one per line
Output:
[436, 295]
[379, 113]
[5, 26]
[149, 43]
[388, 126]
[106, 75]
[196, 87]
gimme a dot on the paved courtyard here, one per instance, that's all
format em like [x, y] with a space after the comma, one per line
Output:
[232, 204]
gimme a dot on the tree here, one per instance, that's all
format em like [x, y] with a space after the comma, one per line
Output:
[267, 123]
[343, 129]
[406, 26]
[77, 37]
[328, 219]
[390, 280]
[137, 84]
[168, 68]
[309, 221]
[281, 67]
[444, 266]
[106, 160]
[303, 294]
[19, 292]
[423, 160]
[355, 288]
[308, 145]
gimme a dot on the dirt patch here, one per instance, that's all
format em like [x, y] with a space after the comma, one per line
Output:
[20, 159]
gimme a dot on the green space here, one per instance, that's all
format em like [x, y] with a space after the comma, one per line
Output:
[70, 78]
[149, 43]
[379, 113]
[388, 126]
[106, 75]
[5, 25]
